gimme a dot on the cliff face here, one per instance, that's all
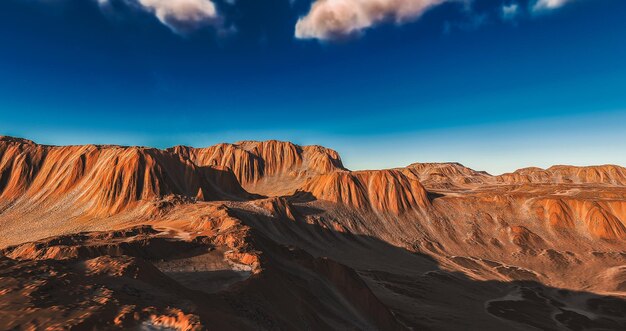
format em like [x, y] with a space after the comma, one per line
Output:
[104, 179]
[266, 167]
[389, 191]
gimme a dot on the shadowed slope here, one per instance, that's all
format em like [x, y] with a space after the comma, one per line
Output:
[287, 288]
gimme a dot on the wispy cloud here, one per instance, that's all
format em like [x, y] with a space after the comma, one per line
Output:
[181, 16]
[337, 19]
[545, 5]
[510, 11]
[333, 19]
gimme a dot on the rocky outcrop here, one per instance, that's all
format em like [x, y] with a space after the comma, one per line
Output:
[445, 175]
[603, 224]
[451, 173]
[600, 220]
[266, 167]
[557, 212]
[104, 180]
[388, 191]
[605, 174]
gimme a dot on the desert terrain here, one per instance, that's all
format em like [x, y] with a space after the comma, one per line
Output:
[275, 236]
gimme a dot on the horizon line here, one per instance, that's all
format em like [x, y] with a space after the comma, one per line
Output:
[166, 149]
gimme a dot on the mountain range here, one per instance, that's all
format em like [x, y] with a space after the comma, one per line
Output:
[276, 236]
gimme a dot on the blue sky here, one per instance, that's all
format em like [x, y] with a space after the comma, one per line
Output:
[496, 85]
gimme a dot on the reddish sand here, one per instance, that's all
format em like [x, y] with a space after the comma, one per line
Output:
[271, 235]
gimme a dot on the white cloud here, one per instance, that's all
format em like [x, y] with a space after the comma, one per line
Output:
[510, 12]
[181, 16]
[543, 5]
[332, 19]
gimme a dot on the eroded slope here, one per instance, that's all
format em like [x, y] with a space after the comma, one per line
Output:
[429, 246]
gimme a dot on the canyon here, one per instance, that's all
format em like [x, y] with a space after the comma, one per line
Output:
[273, 235]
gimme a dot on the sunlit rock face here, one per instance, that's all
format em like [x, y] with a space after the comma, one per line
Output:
[272, 235]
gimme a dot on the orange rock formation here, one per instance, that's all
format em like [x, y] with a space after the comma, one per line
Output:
[271, 235]
[260, 165]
